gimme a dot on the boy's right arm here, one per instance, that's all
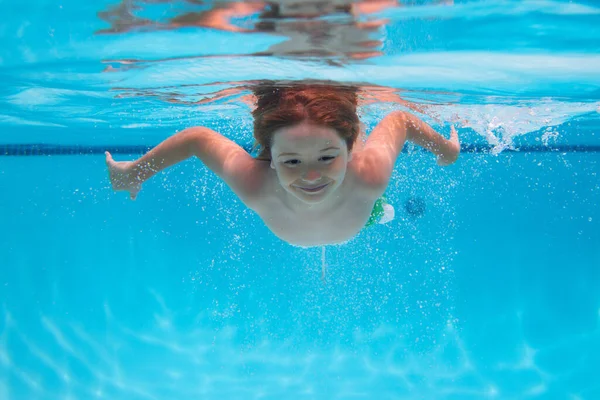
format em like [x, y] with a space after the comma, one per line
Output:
[240, 171]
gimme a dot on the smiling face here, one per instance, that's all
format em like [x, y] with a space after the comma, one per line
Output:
[310, 161]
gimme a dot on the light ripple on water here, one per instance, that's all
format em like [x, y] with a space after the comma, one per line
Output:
[212, 364]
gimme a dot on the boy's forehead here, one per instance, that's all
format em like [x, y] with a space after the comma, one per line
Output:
[306, 135]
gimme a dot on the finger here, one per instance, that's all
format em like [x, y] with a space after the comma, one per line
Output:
[133, 193]
[453, 134]
[109, 159]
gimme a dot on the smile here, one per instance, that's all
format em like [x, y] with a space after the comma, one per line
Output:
[315, 189]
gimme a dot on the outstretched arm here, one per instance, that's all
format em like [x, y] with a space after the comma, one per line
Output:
[242, 173]
[386, 141]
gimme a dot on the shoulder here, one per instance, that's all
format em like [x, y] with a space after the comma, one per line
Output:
[368, 173]
[374, 162]
[254, 181]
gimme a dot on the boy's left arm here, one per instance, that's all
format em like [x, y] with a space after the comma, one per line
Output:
[376, 161]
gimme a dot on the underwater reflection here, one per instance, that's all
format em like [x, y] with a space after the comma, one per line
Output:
[333, 29]
[240, 93]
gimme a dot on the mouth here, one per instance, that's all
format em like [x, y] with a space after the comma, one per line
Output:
[312, 189]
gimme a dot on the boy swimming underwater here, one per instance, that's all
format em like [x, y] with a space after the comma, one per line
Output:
[314, 182]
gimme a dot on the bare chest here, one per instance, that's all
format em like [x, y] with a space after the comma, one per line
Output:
[317, 228]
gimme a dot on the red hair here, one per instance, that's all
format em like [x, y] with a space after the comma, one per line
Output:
[278, 106]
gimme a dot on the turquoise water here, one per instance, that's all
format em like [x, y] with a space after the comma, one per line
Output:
[493, 292]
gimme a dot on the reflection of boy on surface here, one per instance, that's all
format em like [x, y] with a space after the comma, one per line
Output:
[314, 182]
[307, 34]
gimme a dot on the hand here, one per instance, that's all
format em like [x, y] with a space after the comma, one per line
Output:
[451, 150]
[121, 177]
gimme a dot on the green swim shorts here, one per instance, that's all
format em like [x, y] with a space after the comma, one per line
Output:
[380, 209]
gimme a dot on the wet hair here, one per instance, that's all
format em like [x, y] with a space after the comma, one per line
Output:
[279, 106]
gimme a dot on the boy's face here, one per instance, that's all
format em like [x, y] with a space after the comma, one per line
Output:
[310, 160]
[307, 9]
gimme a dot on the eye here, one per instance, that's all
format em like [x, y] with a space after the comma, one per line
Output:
[328, 158]
[292, 162]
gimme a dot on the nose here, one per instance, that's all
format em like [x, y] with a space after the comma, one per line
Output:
[312, 175]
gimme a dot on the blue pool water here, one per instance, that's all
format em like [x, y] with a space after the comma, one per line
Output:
[489, 290]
